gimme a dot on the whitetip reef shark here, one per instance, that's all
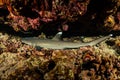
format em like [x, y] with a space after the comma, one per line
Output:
[56, 43]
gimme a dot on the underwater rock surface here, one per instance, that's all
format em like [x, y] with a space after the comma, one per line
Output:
[72, 16]
[21, 61]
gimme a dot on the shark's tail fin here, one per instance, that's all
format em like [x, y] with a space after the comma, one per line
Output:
[100, 39]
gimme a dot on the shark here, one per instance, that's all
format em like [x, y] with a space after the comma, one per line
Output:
[57, 43]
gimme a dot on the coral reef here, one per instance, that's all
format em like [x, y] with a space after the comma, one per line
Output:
[21, 61]
[55, 15]
[23, 12]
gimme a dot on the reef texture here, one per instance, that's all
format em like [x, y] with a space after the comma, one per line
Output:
[19, 61]
[65, 15]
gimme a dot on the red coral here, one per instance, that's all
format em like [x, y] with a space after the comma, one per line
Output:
[20, 22]
[47, 11]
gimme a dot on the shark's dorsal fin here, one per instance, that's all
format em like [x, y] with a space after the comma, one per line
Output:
[57, 37]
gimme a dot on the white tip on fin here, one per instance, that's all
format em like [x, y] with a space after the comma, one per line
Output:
[57, 36]
[111, 35]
